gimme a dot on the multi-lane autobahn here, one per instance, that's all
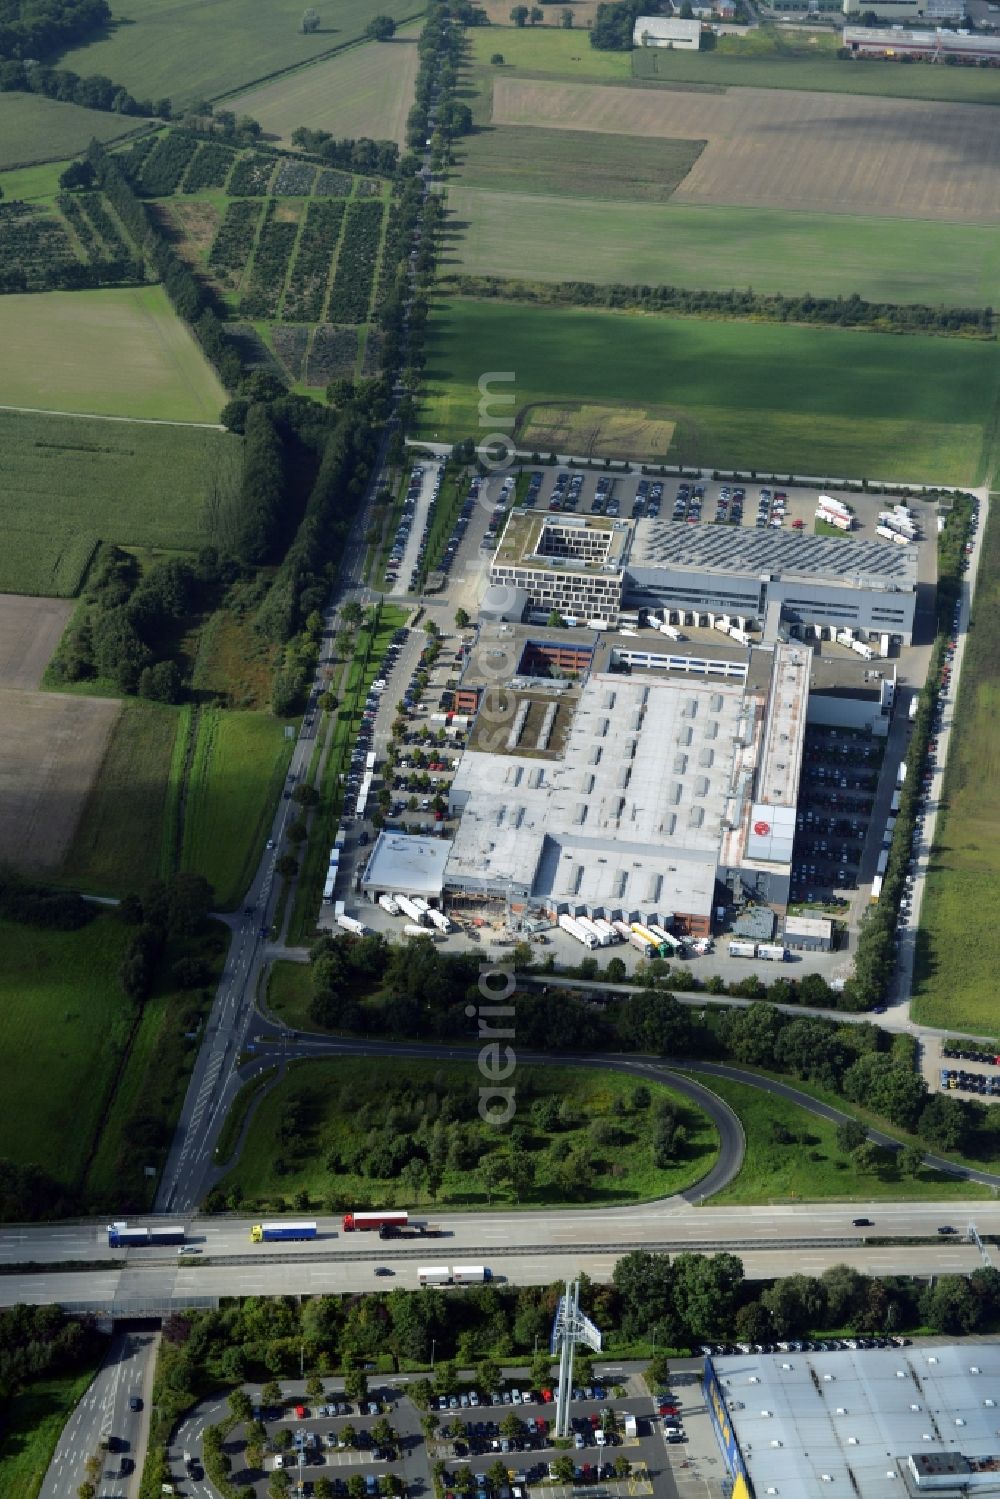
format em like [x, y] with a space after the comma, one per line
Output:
[524, 1248]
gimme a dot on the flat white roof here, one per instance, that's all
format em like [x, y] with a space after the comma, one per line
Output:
[842, 1423]
[809, 926]
[631, 818]
[666, 28]
[407, 864]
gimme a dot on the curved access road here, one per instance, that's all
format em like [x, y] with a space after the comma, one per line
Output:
[296, 1046]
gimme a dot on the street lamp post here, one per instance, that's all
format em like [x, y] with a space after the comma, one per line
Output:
[433, 1346]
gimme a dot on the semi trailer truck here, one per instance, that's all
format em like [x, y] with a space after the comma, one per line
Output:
[281, 1232]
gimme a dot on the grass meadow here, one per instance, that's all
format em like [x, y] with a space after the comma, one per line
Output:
[958, 943]
[66, 1022]
[366, 91]
[566, 54]
[68, 482]
[549, 238]
[187, 51]
[336, 1110]
[237, 770]
[32, 1425]
[775, 398]
[792, 1155]
[35, 129]
[122, 838]
[507, 159]
[121, 352]
[289, 992]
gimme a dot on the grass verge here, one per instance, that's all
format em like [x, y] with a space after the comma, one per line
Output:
[958, 943]
[792, 1155]
[243, 1102]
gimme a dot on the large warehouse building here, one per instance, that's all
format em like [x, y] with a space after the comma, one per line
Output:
[590, 567]
[892, 1423]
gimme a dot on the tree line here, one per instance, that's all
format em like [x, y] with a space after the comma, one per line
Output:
[363, 156]
[837, 312]
[675, 1303]
[32, 30]
[92, 92]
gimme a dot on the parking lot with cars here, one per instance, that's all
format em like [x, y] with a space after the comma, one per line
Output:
[840, 774]
[486, 1445]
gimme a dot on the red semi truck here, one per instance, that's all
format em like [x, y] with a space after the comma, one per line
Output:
[375, 1221]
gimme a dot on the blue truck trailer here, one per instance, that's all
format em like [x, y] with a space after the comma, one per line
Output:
[275, 1233]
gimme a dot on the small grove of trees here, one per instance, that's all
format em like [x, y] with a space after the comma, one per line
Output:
[381, 28]
[310, 20]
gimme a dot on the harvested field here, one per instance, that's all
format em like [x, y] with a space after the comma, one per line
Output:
[783, 149]
[595, 431]
[30, 630]
[198, 222]
[366, 91]
[52, 750]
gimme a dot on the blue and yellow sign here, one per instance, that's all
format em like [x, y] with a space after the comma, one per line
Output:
[715, 1402]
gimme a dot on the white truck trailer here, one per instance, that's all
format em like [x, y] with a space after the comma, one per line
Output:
[772, 952]
[434, 1275]
[411, 909]
[412, 930]
[329, 887]
[608, 930]
[388, 904]
[572, 927]
[742, 949]
[439, 919]
[601, 938]
[671, 631]
[356, 928]
[835, 518]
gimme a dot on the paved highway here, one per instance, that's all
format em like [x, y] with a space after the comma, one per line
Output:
[105, 1290]
[104, 1411]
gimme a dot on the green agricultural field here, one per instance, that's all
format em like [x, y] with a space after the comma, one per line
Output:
[105, 353]
[958, 944]
[337, 1111]
[563, 54]
[769, 61]
[65, 1022]
[509, 160]
[514, 234]
[32, 1424]
[775, 398]
[792, 1155]
[186, 51]
[237, 770]
[122, 838]
[366, 91]
[36, 129]
[68, 482]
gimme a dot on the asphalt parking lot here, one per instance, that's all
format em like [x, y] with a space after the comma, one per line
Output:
[840, 775]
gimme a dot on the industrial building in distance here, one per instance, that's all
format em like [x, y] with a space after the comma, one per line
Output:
[871, 1423]
[935, 45]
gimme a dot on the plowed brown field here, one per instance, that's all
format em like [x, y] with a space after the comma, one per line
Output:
[776, 148]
